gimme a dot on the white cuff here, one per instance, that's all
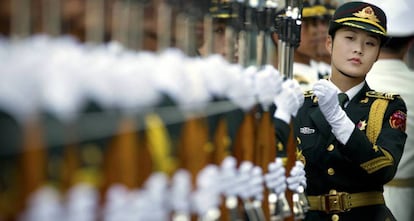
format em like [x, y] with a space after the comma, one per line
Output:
[343, 129]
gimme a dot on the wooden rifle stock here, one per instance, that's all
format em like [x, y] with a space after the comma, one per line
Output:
[194, 149]
[221, 141]
[265, 150]
[265, 137]
[245, 138]
[33, 158]
[123, 155]
[291, 159]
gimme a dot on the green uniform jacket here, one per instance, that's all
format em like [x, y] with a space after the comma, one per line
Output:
[357, 166]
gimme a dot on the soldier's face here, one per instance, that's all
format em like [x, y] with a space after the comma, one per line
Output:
[322, 26]
[354, 51]
[151, 34]
[219, 42]
[308, 38]
[73, 17]
[219, 38]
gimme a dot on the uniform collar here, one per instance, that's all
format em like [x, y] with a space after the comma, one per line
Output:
[354, 90]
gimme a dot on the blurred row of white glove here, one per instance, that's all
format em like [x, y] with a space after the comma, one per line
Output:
[59, 75]
[161, 197]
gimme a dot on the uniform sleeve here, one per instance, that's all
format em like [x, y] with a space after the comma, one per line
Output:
[282, 130]
[380, 159]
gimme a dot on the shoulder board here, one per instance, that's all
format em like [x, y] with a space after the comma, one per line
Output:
[308, 93]
[382, 95]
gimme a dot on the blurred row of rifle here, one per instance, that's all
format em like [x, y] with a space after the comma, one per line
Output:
[104, 146]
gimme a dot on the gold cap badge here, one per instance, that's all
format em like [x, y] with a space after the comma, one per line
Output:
[367, 13]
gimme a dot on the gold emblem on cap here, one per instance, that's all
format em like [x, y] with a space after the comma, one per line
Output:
[367, 13]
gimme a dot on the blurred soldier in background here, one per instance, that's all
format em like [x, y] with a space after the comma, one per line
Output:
[302, 70]
[390, 73]
[222, 16]
[73, 17]
[322, 60]
[220, 20]
[219, 45]
[5, 17]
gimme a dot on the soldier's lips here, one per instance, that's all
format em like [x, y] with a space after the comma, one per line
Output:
[355, 60]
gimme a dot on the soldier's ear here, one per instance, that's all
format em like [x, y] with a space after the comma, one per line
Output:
[329, 44]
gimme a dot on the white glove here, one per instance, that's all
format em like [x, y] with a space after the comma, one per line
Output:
[116, 203]
[275, 179]
[207, 194]
[155, 192]
[180, 192]
[241, 90]
[267, 84]
[244, 176]
[82, 203]
[228, 176]
[251, 181]
[256, 183]
[327, 94]
[289, 100]
[297, 177]
[44, 204]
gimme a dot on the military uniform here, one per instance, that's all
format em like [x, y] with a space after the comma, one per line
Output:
[356, 167]
[349, 154]
[305, 74]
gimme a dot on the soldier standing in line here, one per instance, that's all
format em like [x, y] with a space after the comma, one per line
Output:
[302, 70]
[351, 147]
[391, 73]
[322, 60]
[220, 20]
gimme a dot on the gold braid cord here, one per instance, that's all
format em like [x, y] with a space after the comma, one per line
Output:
[159, 144]
[376, 116]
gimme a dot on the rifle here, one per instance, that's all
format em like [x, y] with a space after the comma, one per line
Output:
[124, 155]
[289, 27]
[33, 158]
[218, 124]
[244, 143]
[265, 139]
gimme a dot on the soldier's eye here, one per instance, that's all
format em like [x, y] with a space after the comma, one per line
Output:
[219, 30]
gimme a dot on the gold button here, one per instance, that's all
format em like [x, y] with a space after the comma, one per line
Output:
[331, 171]
[208, 147]
[226, 141]
[332, 192]
[279, 146]
[330, 147]
[335, 217]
